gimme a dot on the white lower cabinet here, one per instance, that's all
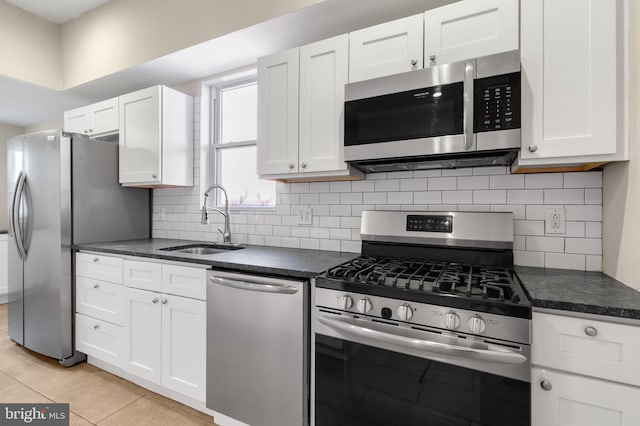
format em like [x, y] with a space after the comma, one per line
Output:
[561, 399]
[165, 338]
[99, 339]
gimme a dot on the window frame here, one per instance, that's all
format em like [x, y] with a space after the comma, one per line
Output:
[215, 137]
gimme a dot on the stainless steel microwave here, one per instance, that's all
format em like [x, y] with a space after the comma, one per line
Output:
[454, 115]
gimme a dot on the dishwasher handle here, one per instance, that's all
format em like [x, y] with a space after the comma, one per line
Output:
[254, 286]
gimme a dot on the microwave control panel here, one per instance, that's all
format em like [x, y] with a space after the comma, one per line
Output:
[497, 103]
[422, 223]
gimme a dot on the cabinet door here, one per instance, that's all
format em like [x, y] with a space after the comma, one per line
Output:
[183, 345]
[324, 71]
[278, 113]
[389, 48]
[470, 29]
[140, 139]
[578, 401]
[99, 339]
[569, 78]
[142, 334]
[77, 121]
[104, 117]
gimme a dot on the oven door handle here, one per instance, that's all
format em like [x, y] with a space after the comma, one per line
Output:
[505, 357]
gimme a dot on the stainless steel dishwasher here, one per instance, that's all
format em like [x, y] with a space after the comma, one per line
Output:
[257, 349]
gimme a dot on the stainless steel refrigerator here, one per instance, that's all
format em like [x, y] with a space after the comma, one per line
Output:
[62, 190]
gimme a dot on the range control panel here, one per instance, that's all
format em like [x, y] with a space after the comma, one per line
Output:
[423, 223]
[497, 103]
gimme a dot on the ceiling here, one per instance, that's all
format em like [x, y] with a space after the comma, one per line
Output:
[317, 22]
[57, 11]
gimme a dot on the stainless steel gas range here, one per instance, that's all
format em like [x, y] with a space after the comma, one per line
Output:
[430, 325]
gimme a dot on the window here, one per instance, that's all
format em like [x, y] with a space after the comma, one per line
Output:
[235, 123]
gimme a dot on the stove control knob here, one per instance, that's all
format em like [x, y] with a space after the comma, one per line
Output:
[405, 312]
[345, 302]
[364, 305]
[477, 325]
[451, 320]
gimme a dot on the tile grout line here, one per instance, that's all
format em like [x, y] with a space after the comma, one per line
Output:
[117, 411]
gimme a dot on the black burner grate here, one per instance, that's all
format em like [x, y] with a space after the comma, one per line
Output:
[449, 278]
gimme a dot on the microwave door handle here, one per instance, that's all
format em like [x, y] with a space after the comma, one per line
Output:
[505, 357]
[469, 76]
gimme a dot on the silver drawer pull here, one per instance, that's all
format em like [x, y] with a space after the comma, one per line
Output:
[96, 285]
[155, 300]
[164, 301]
[591, 331]
[414, 62]
[95, 259]
[96, 326]
[546, 385]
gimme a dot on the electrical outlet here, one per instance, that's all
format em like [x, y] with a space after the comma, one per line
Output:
[554, 221]
[305, 217]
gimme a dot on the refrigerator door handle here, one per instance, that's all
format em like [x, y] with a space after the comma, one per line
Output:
[16, 214]
[13, 204]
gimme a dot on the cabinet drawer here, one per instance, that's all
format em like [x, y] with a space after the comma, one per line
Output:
[143, 275]
[585, 346]
[571, 400]
[99, 339]
[99, 299]
[184, 281]
[99, 267]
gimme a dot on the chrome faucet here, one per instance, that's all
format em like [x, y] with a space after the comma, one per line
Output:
[226, 234]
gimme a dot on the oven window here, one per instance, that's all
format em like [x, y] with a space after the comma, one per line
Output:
[423, 113]
[358, 385]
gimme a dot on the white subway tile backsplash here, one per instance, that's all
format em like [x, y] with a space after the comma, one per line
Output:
[400, 197]
[473, 182]
[506, 182]
[337, 208]
[565, 261]
[544, 180]
[583, 180]
[564, 196]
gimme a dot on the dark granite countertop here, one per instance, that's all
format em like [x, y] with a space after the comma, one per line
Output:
[578, 291]
[295, 263]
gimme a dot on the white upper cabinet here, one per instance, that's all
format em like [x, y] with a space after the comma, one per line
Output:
[324, 70]
[470, 29]
[573, 79]
[156, 138]
[95, 120]
[278, 113]
[389, 48]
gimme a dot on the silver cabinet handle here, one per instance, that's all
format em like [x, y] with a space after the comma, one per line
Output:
[533, 148]
[90, 130]
[414, 62]
[303, 165]
[291, 166]
[369, 333]
[254, 286]
[155, 300]
[591, 331]
[96, 326]
[546, 385]
[154, 176]
[432, 58]
[164, 301]
[95, 259]
[96, 285]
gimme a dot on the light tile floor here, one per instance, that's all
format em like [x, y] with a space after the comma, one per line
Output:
[94, 396]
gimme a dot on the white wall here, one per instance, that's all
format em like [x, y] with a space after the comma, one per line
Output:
[30, 47]
[6, 132]
[621, 192]
[337, 209]
[125, 33]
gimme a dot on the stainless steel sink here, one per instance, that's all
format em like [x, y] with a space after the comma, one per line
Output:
[203, 249]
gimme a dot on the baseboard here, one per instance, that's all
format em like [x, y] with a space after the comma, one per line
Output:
[220, 418]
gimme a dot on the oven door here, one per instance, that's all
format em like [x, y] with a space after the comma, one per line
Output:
[411, 114]
[371, 373]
